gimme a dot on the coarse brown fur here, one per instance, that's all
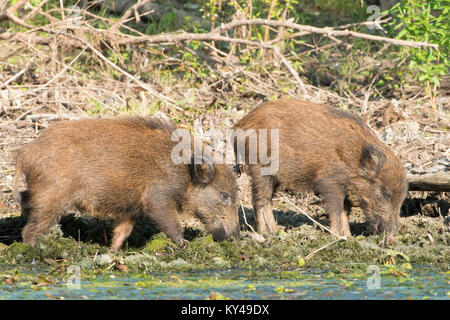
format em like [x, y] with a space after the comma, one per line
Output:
[121, 168]
[332, 152]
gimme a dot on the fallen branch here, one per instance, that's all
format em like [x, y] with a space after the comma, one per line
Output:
[28, 112]
[10, 14]
[290, 69]
[29, 38]
[170, 38]
[431, 182]
[215, 34]
[128, 13]
[57, 75]
[18, 74]
[325, 31]
[375, 23]
[52, 116]
[35, 10]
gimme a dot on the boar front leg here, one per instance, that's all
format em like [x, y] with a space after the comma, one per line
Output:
[344, 226]
[162, 210]
[262, 190]
[333, 198]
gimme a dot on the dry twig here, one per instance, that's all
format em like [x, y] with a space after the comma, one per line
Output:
[321, 226]
[117, 68]
[309, 256]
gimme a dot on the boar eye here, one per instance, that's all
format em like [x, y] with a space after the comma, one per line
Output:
[225, 196]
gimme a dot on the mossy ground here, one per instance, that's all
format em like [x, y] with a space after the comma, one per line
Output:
[422, 241]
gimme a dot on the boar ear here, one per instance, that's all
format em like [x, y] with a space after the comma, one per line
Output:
[371, 160]
[203, 170]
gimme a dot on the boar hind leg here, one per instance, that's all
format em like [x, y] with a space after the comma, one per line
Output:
[262, 189]
[121, 232]
[163, 212]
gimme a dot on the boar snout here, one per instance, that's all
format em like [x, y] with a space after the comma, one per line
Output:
[223, 231]
[388, 226]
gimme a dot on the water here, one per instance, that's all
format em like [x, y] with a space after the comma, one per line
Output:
[421, 283]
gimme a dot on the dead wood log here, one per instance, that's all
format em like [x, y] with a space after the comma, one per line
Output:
[430, 182]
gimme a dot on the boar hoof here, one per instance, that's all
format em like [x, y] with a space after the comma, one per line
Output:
[257, 237]
[268, 228]
[184, 243]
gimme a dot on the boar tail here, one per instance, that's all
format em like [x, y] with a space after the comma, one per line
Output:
[17, 179]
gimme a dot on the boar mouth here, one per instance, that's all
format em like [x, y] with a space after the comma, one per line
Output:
[219, 229]
[221, 233]
[380, 224]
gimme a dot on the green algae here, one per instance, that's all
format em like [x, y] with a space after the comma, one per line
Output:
[234, 283]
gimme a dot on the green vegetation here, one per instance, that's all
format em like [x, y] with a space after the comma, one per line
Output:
[348, 67]
[427, 21]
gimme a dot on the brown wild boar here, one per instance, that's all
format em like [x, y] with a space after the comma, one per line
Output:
[121, 168]
[328, 151]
